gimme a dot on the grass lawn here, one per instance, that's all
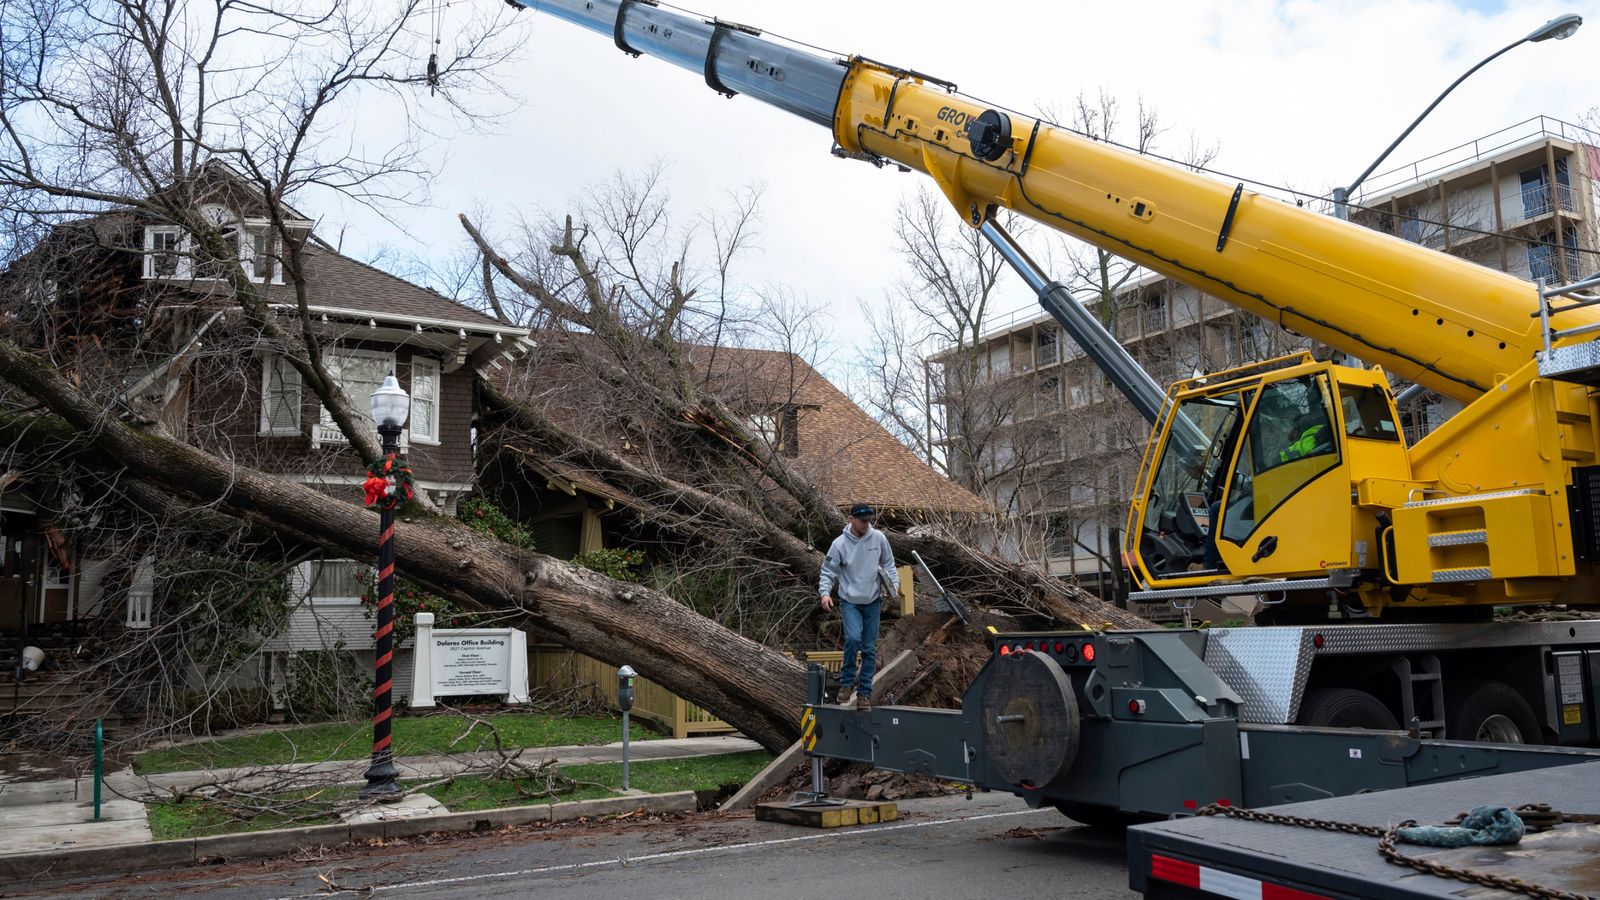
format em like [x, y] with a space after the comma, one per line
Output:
[199, 817]
[413, 736]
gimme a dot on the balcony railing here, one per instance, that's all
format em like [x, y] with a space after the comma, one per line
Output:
[1537, 201]
[1483, 148]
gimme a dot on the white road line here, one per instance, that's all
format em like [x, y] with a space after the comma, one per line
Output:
[671, 854]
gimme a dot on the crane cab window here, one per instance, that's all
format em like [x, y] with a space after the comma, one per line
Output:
[1367, 414]
[1290, 441]
[1186, 488]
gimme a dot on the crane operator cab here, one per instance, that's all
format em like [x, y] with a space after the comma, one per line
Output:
[1245, 466]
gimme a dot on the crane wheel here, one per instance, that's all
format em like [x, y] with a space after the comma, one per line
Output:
[1345, 708]
[1490, 711]
[1030, 719]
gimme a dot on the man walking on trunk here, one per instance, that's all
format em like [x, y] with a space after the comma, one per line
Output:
[858, 563]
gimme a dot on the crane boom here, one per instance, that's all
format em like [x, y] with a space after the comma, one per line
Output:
[1352, 288]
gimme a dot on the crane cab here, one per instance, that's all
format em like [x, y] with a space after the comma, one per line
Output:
[1244, 467]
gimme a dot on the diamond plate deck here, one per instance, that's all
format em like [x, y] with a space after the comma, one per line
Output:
[1268, 666]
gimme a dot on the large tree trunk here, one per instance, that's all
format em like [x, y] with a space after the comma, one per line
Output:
[757, 690]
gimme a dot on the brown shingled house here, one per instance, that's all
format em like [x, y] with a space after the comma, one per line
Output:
[830, 439]
[131, 298]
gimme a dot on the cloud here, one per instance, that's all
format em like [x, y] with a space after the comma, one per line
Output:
[1302, 93]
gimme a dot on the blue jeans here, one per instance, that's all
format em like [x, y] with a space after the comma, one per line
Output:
[860, 636]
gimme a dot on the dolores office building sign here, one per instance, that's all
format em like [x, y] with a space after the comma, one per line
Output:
[456, 662]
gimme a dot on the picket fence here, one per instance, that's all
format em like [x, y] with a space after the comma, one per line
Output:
[552, 667]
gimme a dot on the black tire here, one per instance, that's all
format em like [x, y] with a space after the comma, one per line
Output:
[1490, 711]
[1099, 818]
[1346, 708]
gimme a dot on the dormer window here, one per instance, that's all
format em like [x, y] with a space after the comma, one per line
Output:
[164, 255]
[256, 255]
[778, 429]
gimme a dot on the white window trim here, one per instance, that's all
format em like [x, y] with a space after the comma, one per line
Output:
[268, 363]
[306, 576]
[323, 431]
[181, 269]
[434, 369]
[248, 229]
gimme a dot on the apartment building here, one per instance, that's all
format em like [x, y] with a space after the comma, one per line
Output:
[1029, 422]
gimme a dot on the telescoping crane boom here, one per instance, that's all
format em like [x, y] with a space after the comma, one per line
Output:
[1288, 479]
[1491, 509]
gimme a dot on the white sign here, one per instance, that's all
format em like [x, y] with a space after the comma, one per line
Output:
[455, 662]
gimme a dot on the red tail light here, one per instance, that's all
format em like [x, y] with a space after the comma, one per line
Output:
[1088, 653]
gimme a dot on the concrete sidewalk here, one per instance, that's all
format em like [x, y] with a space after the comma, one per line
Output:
[45, 817]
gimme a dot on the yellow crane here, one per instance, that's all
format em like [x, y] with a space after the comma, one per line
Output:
[1288, 479]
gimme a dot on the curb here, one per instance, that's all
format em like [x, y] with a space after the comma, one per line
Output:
[119, 858]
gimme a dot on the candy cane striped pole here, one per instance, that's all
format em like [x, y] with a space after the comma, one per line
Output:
[382, 776]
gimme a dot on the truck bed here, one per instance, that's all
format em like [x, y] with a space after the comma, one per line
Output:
[1214, 856]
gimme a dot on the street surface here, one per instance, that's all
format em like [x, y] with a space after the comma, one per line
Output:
[940, 847]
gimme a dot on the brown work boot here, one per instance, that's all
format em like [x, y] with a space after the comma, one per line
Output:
[863, 702]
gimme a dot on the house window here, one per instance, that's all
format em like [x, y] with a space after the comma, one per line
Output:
[255, 254]
[765, 427]
[164, 256]
[358, 373]
[335, 580]
[779, 429]
[424, 399]
[280, 396]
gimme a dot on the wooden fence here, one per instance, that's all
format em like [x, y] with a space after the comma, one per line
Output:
[552, 667]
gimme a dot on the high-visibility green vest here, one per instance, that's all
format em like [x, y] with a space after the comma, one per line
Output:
[1302, 445]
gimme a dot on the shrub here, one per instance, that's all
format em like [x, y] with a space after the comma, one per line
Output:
[327, 685]
[619, 565]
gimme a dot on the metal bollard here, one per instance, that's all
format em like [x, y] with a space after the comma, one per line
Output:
[99, 763]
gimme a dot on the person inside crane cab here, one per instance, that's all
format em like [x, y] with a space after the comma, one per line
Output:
[1310, 432]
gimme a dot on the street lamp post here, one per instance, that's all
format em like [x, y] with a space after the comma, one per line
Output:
[1560, 28]
[390, 406]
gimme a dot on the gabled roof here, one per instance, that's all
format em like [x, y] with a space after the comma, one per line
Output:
[338, 283]
[846, 451]
[840, 447]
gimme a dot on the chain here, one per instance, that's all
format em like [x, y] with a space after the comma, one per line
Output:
[1540, 813]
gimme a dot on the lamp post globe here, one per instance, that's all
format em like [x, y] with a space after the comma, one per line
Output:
[1560, 28]
[390, 407]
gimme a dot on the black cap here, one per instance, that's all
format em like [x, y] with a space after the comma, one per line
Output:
[862, 511]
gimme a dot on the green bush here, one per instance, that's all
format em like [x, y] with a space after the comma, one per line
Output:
[327, 685]
[619, 565]
[486, 518]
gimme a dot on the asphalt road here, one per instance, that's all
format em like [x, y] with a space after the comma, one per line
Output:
[940, 847]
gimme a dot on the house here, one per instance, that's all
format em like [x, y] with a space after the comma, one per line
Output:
[135, 297]
[826, 437]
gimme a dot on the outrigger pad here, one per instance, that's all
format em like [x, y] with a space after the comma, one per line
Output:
[844, 813]
[1030, 719]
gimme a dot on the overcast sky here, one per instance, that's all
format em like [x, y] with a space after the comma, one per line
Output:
[1301, 93]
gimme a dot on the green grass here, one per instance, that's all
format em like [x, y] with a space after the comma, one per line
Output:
[413, 736]
[200, 818]
[203, 818]
[697, 773]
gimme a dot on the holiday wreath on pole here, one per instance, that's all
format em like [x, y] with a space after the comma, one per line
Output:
[388, 482]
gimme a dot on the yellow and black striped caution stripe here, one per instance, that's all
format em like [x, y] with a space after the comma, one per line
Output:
[808, 729]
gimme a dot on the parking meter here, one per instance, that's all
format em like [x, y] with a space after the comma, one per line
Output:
[625, 676]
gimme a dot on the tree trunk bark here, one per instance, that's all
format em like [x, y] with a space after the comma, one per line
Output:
[757, 690]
